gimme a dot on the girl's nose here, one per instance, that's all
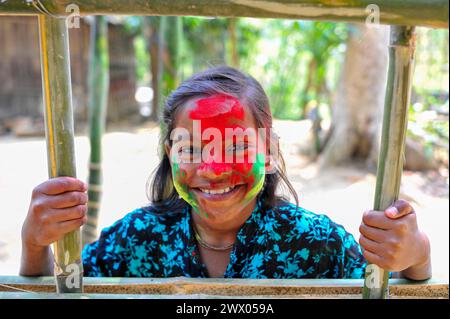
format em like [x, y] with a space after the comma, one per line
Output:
[214, 170]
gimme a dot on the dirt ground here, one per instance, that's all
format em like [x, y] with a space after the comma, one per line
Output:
[130, 156]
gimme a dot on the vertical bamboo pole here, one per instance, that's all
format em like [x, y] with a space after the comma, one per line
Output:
[390, 161]
[55, 65]
[98, 100]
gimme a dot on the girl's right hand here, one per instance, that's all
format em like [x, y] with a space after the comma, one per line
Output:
[58, 206]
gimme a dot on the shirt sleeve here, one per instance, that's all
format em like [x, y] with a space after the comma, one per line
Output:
[354, 263]
[345, 256]
[106, 257]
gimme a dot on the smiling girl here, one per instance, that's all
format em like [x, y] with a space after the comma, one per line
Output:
[216, 205]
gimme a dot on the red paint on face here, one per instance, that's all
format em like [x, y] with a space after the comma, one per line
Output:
[221, 112]
[217, 106]
[218, 111]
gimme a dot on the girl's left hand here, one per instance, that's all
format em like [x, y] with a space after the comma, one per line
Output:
[392, 240]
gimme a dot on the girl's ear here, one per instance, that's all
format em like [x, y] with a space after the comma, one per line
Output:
[167, 149]
[272, 153]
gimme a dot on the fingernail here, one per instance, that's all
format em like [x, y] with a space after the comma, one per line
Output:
[391, 211]
[85, 186]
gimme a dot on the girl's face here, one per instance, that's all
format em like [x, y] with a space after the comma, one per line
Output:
[217, 170]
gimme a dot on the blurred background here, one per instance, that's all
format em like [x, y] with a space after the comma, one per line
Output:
[325, 81]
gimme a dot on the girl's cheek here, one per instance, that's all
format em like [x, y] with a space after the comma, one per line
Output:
[181, 175]
[256, 176]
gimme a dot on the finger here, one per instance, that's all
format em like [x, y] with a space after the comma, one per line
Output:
[398, 209]
[377, 219]
[375, 234]
[370, 245]
[71, 225]
[60, 185]
[67, 214]
[66, 200]
[373, 258]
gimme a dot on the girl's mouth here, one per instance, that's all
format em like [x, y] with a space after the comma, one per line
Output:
[218, 193]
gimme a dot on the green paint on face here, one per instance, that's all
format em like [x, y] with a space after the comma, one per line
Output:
[256, 174]
[182, 189]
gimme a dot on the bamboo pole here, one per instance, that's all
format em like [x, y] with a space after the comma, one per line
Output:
[55, 65]
[98, 101]
[427, 13]
[391, 156]
[174, 287]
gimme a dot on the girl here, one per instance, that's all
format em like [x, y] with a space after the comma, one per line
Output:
[216, 209]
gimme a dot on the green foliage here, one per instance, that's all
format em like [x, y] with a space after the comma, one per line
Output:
[428, 114]
[428, 122]
[298, 64]
[205, 40]
[134, 25]
[142, 59]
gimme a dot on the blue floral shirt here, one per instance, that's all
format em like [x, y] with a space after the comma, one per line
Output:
[282, 242]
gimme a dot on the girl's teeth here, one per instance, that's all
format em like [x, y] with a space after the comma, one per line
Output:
[216, 191]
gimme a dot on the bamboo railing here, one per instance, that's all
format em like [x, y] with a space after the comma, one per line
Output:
[57, 88]
[187, 288]
[56, 83]
[427, 13]
[391, 156]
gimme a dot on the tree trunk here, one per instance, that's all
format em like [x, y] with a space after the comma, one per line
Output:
[152, 31]
[234, 54]
[172, 29]
[357, 111]
[312, 69]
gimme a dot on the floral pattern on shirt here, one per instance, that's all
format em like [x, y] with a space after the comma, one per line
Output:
[286, 241]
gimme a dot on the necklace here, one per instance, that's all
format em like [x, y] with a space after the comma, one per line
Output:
[208, 246]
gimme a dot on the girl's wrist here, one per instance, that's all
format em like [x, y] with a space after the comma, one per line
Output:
[34, 249]
[422, 269]
[424, 258]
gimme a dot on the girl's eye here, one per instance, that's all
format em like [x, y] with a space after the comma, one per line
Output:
[239, 147]
[189, 150]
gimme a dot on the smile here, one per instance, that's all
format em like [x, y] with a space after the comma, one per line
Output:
[218, 193]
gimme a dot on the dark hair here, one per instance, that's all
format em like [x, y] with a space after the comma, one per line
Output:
[217, 80]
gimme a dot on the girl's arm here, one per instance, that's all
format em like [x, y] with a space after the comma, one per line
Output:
[36, 261]
[421, 271]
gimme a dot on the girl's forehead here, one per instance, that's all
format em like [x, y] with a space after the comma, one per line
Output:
[215, 111]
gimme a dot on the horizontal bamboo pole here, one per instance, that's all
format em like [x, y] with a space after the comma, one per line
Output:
[214, 287]
[428, 13]
[56, 83]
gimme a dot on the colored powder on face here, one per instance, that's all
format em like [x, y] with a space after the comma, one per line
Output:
[182, 189]
[258, 174]
[217, 105]
[217, 168]
[219, 112]
[251, 174]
